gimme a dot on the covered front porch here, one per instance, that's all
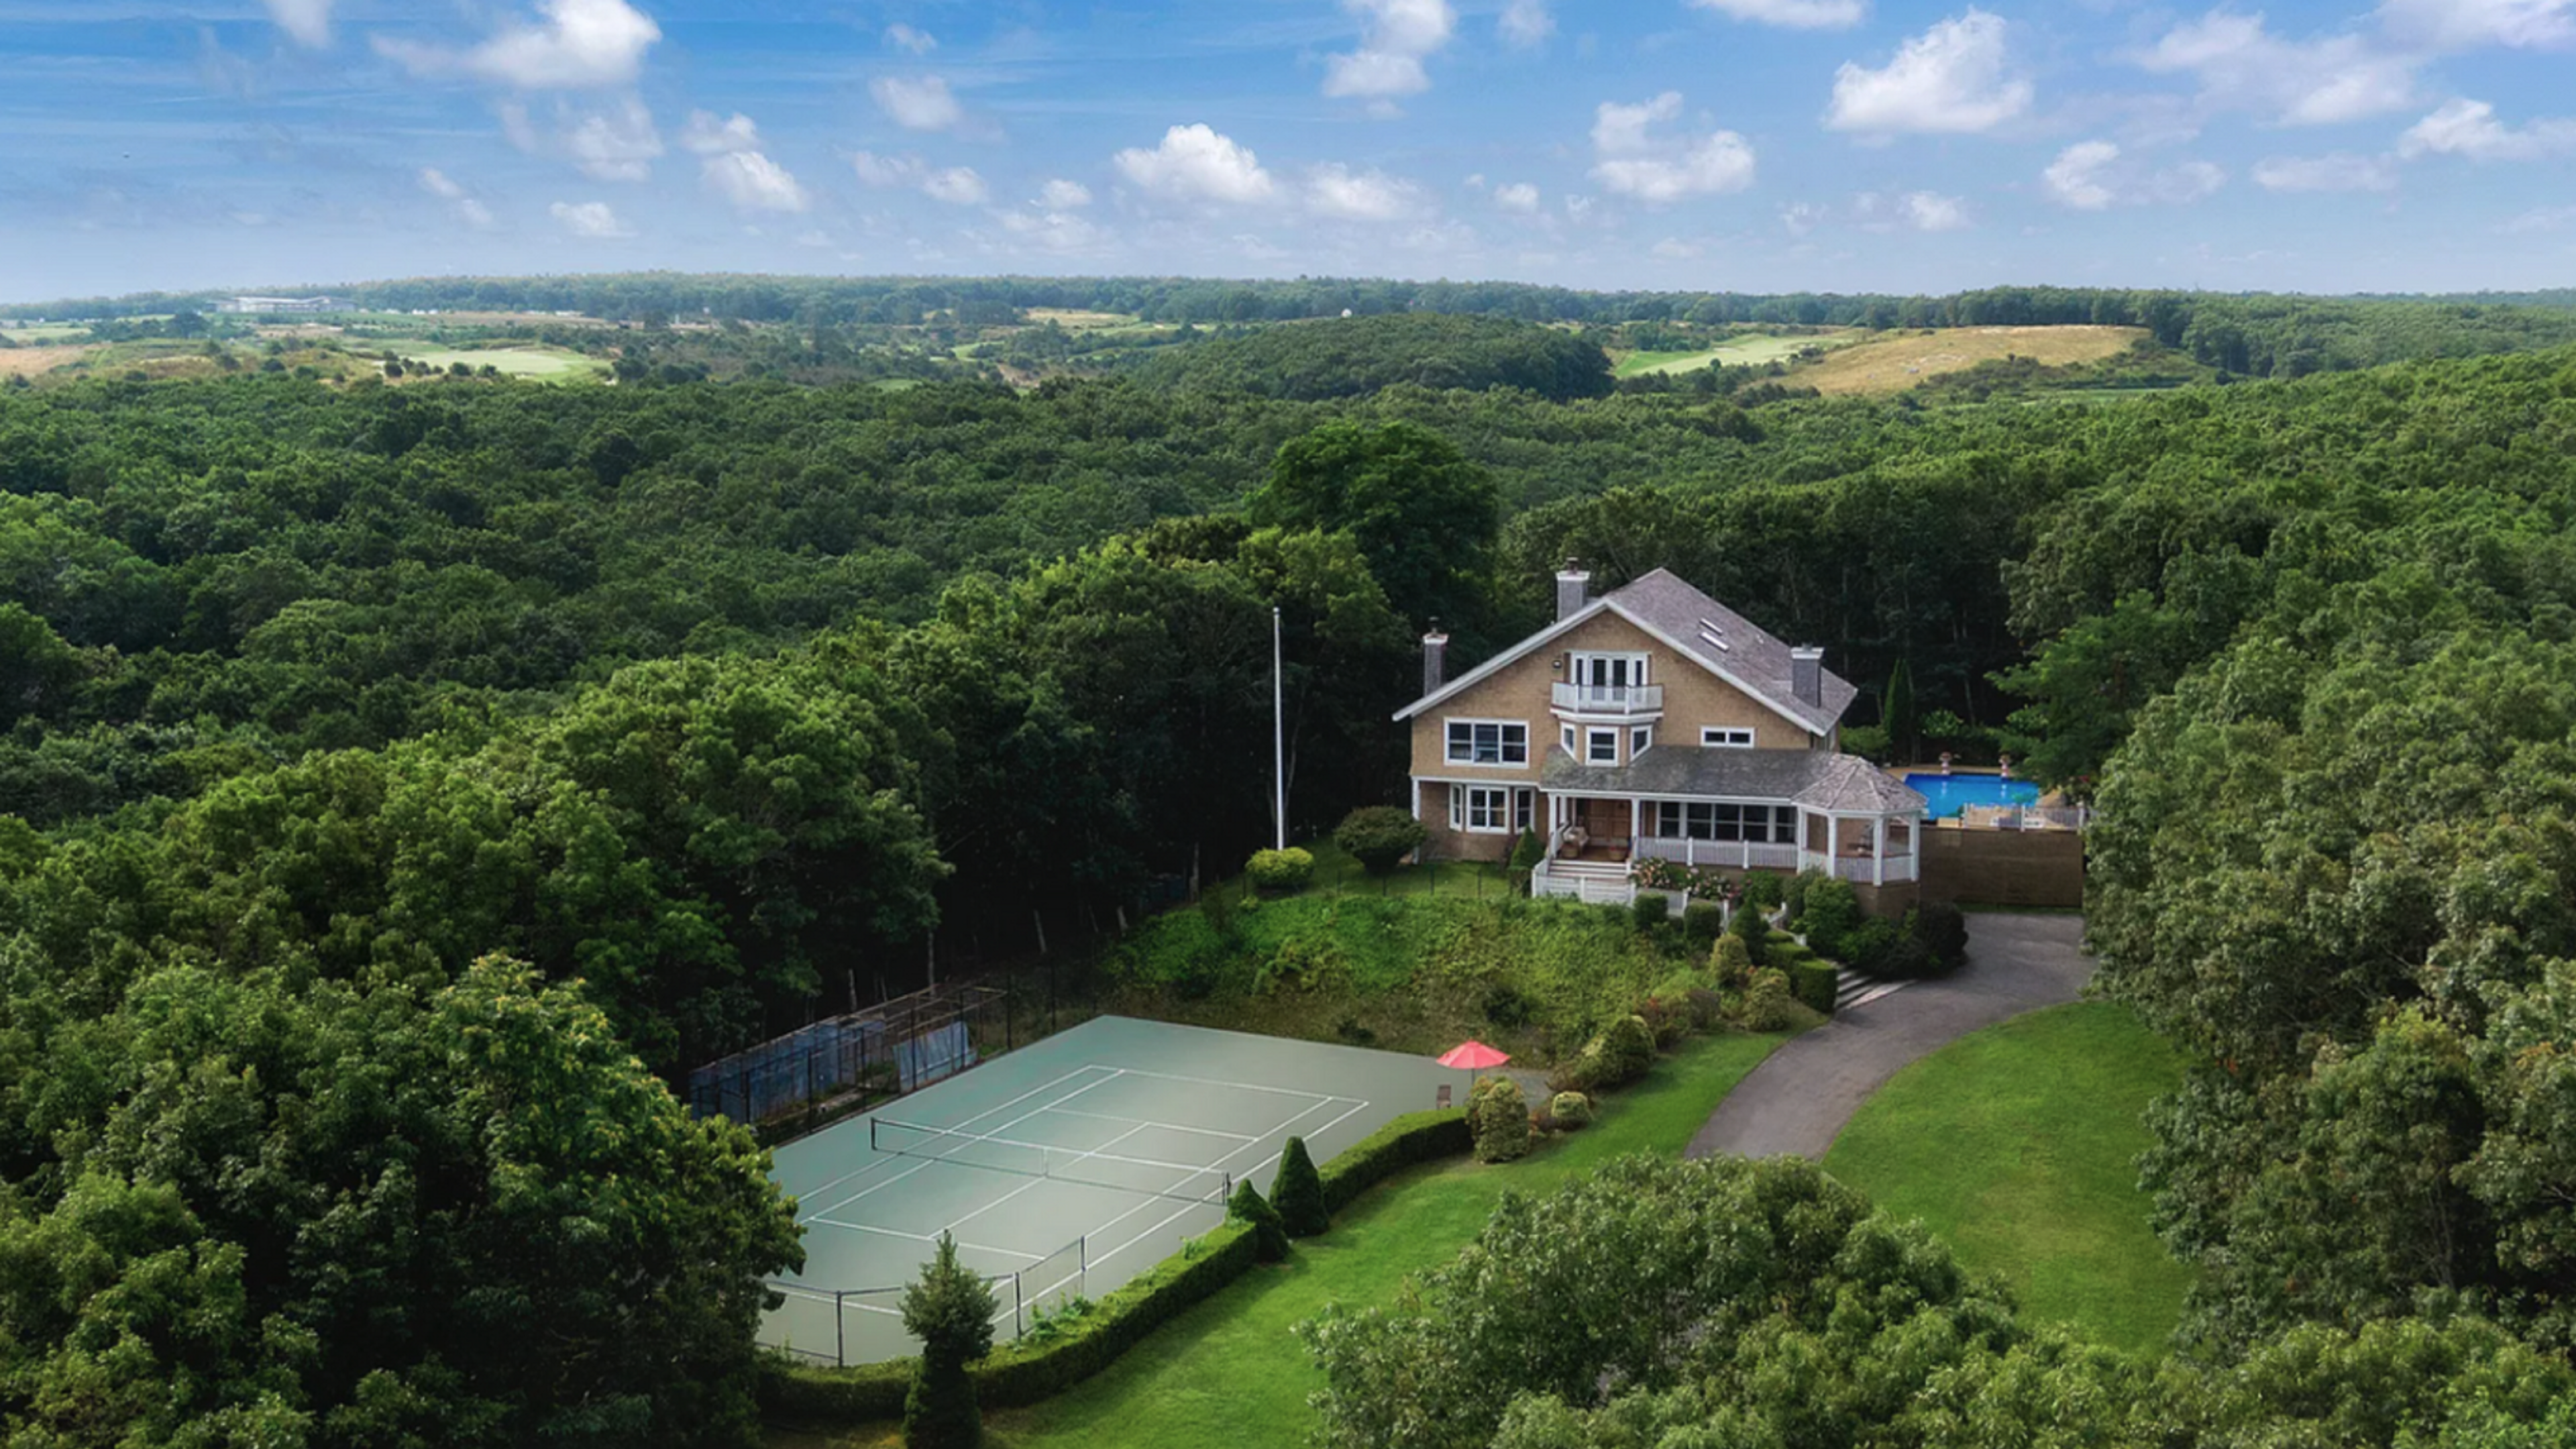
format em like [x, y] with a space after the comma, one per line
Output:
[1865, 848]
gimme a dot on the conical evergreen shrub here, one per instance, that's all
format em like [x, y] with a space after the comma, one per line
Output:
[1298, 1192]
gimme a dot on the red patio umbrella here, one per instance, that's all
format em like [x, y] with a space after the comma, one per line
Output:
[1472, 1057]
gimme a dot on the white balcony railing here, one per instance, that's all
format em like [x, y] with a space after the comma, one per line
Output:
[1618, 699]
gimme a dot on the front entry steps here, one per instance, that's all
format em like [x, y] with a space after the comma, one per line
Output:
[1853, 989]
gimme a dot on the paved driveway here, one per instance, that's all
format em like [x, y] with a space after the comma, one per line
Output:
[1799, 1099]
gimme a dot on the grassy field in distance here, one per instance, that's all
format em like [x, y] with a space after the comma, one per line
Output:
[1896, 363]
[1740, 352]
[27, 361]
[1074, 319]
[539, 363]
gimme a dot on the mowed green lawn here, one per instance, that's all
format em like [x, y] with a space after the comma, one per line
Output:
[542, 364]
[1230, 1371]
[1741, 352]
[2019, 1146]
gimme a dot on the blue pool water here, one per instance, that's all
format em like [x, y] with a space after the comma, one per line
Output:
[1950, 794]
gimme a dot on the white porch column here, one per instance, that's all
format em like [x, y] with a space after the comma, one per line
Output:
[1636, 830]
[1878, 851]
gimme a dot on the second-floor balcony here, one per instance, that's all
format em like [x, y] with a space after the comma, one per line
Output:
[1610, 699]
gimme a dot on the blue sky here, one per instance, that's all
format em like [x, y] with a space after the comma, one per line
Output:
[1757, 145]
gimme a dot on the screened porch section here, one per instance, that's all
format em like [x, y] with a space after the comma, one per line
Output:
[1863, 849]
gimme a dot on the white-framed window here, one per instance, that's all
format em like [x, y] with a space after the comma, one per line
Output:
[1572, 745]
[1640, 740]
[1491, 810]
[1693, 820]
[1725, 739]
[1488, 742]
[1601, 747]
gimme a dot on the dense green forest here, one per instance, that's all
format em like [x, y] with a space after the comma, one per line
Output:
[398, 779]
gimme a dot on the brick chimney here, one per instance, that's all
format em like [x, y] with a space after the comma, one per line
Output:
[1573, 590]
[1435, 661]
[1807, 674]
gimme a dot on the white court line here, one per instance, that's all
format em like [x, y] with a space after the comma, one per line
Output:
[1101, 1152]
[1149, 1122]
[930, 1238]
[1246, 1086]
[1015, 1101]
[1014, 1122]
[1357, 1106]
[1037, 1181]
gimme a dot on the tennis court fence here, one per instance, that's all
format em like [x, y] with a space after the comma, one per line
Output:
[849, 1326]
[887, 1050]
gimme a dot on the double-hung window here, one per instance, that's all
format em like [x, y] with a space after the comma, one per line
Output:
[1491, 810]
[1601, 747]
[1488, 742]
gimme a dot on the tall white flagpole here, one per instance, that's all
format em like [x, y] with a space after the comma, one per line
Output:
[1279, 725]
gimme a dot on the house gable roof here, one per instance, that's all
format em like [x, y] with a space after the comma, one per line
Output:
[1812, 779]
[1699, 629]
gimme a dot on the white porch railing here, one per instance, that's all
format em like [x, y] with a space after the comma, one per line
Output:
[1620, 699]
[1722, 854]
[1594, 890]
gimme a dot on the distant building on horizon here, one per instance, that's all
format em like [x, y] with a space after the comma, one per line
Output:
[289, 306]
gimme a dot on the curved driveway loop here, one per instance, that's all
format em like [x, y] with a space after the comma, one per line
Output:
[1799, 1099]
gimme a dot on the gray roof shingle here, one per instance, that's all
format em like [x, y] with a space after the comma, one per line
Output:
[1814, 779]
[1663, 602]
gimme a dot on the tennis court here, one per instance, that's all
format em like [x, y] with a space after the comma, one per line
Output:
[1064, 1168]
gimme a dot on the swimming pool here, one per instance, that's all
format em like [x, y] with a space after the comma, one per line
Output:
[1950, 794]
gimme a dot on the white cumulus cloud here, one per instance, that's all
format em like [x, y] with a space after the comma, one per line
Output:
[753, 182]
[2470, 128]
[1794, 14]
[1931, 211]
[1953, 78]
[2338, 172]
[446, 188]
[709, 136]
[575, 44]
[957, 186]
[883, 171]
[1517, 196]
[1526, 23]
[1337, 191]
[1634, 161]
[904, 37]
[2240, 64]
[2468, 24]
[589, 219]
[308, 22]
[1198, 163]
[1395, 38]
[614, 145]
[916, 105]
[2096, 176]
[1055, 231]
[1062, 195]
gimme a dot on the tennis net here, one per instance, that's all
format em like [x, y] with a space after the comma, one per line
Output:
[1182, 1181]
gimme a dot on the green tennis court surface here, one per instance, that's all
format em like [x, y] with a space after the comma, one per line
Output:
[1063, 1169]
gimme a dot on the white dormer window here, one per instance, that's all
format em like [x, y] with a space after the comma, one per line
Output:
[1601, 747]
[1640, 740]
[1725, 739]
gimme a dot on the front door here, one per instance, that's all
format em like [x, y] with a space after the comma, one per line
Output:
[1605, 823]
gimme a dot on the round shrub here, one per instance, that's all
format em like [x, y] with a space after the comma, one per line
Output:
[1767, 1000]
[1943, 930]
[1281, 870]
[1762, 891]
[1627, 1051]
[1379, 837]
[1831, 913]
[1498, 1118]
[1730, 963]
[1570, 1109]
[1702, 924]
[1754, 932]
[1650, 910]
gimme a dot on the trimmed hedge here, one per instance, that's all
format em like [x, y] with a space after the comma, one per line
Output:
[1014, 1377]
[1814, 983]
[1410, 1139]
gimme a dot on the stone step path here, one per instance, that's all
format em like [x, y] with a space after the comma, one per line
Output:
[1851, 989]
